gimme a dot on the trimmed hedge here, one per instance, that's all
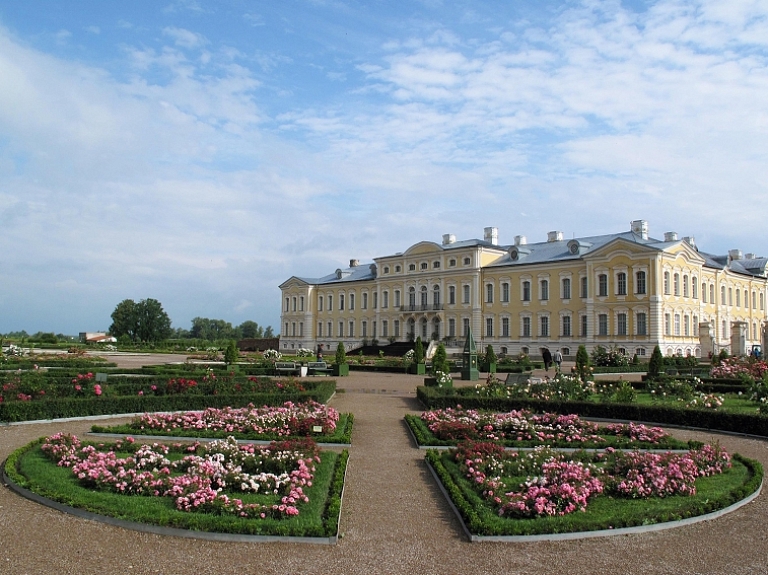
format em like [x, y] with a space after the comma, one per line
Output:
[73, 362]
[752, 424]
[83, 407]
[381, 368]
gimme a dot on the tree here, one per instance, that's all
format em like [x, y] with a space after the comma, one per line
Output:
[212, 329]
[440, 360]
[582, 363]
[490, 355]
[341, 354]
[268, 332]
[143, 321]
[250, 329]
[656, 363]
[418, 351]
[230, 353]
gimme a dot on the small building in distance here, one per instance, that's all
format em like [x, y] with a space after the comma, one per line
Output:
[96, 337]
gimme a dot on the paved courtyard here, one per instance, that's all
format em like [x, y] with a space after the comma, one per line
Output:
[394, 520]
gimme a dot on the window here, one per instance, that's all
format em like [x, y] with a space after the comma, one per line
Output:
[566, 326]
[452, 295]
[294, 303]
[452, 327]
[384, 328]
[411, 267]
[436, 297]
[412, 297]
[351, 302]
[703, 292]
[641, 324]
[640, 283]
[398, 269]
[526, 291]
[640, 351]
[505, 292]
[676, 284]
[602, 285]
[364, 328]
[341, 329]
[711, 293]
[435, 265]
[667, 324]
[319, 329]
[621, 324]
[452, 263]
[566, 288]
[754, 300]
[373, 330]
[686, 325]
[465, 326]
[526, 327]
[384, 300]
[467, 261]
[621, 283]
[293, 329]
[330, 303]
[341, 302]
[544, 289]
[352, 329]
[730, 296]
[685, 286]
[746, 298]
[602, 324]
[386, 269]
[365, 301]
[666, 283]
[320, 303]
[762, 301]
[423, 297]
[677, 324]
[584, 287]
[725, 330]
[584, 321]
[287, 304]
[301, 329]
[330, 327]
[397, 328]
[489, 327]
[397, 298]
[505, 327]
[738, 298]
[544, 324]
[488, 293]
[424, 265]
[695, 287]
[375, 299]
[466, 294]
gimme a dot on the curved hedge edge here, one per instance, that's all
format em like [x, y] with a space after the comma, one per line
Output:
[740, 497]
[742, 424]
[331, 515]
[332, 512]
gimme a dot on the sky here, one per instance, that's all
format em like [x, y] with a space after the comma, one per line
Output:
[201, 152]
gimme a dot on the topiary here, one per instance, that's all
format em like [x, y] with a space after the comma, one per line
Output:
[418, 351]
[656, 363]
[490, 355]
[582, 363]
[440, 361]
[341, 354]
[230, 353]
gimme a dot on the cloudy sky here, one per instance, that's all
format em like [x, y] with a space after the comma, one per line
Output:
[201, 152]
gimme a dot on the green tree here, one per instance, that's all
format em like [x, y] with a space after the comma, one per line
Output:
[582, 363]
[144, 321]
[490, 355]
[212, 329]
[440, 360]
[418, 351]
[231, 354]
[268, 332]
[251, 329]
[341, 354]
[656, 363]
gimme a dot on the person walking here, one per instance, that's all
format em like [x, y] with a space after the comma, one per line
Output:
[547, 357]
[557, 357]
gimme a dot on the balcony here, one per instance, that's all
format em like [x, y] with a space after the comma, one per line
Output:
[423, 307]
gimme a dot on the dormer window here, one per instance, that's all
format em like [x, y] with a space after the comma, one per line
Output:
[436, 264]
[467, 261]
[398, 269]
[412, 267]
[424, 265]
[452, 263]
[386, 269]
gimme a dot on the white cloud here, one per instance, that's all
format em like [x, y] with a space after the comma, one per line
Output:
[185, 38]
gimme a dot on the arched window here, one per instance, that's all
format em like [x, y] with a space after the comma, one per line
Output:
[676, 284]
[640, 283]
[488, 293]
[621, 283]
[666, 283]
[424, 297]
[436, 296]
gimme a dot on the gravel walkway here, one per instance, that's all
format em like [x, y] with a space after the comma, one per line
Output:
[394, 520]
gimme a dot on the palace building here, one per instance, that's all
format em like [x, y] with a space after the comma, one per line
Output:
[626, 290]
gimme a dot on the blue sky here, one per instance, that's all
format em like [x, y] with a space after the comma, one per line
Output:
[201, 152]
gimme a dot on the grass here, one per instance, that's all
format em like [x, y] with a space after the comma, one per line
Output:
[342, 433]
[603, 512]
[424, 437]
[30, 468]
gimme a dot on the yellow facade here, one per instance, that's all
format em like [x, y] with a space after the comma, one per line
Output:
[625, 290]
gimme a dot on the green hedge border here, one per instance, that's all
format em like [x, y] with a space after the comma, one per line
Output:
[61, 408]
[738, 423]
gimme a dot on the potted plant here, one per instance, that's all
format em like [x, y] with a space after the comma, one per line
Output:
[340, 367]
[419, 367]
[489, 365]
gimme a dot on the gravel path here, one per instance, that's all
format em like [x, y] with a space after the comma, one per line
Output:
[394, 520]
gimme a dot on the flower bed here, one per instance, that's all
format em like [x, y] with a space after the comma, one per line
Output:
[286, 488]
[500, 492]
[264, 423]
[523, 428]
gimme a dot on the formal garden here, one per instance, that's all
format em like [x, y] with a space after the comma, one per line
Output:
[226, 449]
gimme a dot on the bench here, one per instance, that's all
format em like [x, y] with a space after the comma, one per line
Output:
[286, 367]
[318, 368]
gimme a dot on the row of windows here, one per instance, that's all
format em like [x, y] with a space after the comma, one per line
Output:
[566, 327]
[452, 263]
[726, 294]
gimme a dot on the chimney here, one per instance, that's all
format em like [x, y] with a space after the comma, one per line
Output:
[520, 240]
[491, 235]
[691, 241]
[734, 255]
[354, 263]
[670, 236]
[640, 228]
[555, 236]
[448, 239]
[749, 256]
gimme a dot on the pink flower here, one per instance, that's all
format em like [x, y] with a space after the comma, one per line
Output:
[97, 389]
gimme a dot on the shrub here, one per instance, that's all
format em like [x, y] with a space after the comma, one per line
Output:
[440, 361]
[656, 363]
[490, 355]
[341, 354]
[582, 363]
[418, 351]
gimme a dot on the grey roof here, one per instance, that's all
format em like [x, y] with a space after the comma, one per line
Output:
[357, 273]
[752, 267]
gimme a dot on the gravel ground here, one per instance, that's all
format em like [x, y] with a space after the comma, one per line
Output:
[394, 520]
